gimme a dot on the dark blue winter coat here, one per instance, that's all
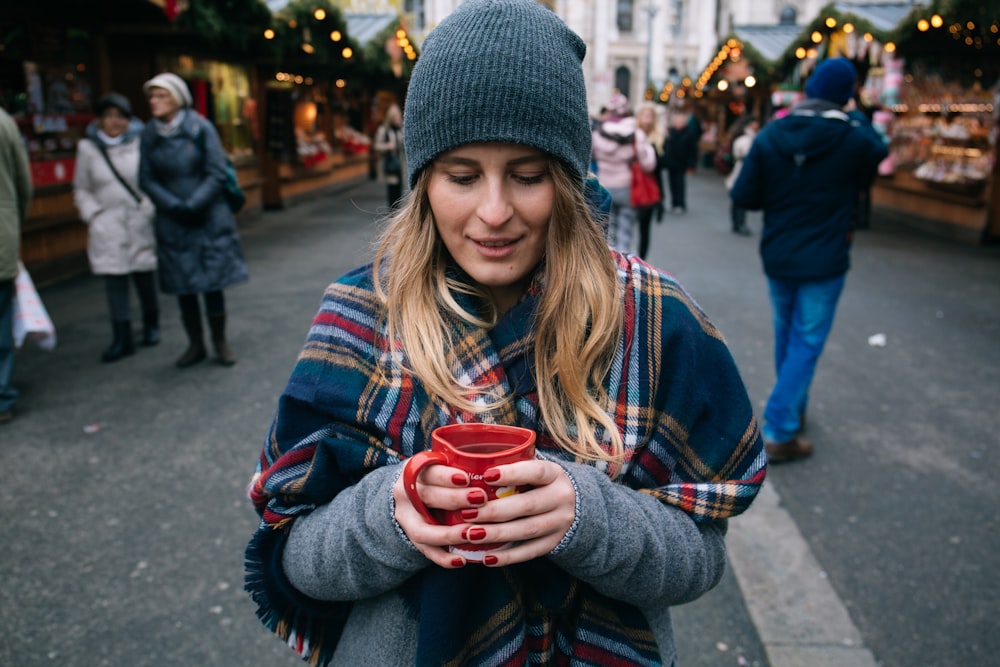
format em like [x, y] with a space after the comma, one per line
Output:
[805, 171]
[197, 243]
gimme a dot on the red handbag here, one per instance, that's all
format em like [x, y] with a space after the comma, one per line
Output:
[645, 189]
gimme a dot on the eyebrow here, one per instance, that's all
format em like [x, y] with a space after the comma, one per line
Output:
[516, 162]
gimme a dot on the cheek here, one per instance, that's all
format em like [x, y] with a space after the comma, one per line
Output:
[538, 209]
[446, 206]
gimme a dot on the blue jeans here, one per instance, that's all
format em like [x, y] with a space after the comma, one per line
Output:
[803, 316]
[8, 395]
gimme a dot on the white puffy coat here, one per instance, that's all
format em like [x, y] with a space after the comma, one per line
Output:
[121, 239]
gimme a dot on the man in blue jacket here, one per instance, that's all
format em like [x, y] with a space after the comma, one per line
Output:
[805, 171]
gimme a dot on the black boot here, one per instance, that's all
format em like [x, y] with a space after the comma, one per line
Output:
[121, 344]
[217, 323]
[739, 219]
[196, 346]
[150, 328]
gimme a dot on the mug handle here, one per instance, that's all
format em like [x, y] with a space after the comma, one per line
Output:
[411, 469]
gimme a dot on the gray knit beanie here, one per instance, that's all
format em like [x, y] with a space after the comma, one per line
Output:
[499, 70]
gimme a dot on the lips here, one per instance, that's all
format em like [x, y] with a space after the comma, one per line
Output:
[495, 248]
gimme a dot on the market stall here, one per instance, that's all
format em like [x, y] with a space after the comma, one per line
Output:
[57, 58]
[939, 96]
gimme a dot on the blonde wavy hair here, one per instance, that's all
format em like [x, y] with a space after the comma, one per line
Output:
[577, 327]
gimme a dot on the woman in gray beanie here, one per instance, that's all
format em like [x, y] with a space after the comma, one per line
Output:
[183, 170]
[119, 219]
[494, 298]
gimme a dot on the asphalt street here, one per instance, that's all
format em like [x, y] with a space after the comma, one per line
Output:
[123, 490]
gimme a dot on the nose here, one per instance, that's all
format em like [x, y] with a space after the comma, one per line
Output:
[495, 208]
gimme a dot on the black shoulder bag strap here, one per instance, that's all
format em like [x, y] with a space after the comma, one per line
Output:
[107, 158]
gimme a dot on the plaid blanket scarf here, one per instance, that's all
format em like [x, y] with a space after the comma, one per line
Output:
[671, 406]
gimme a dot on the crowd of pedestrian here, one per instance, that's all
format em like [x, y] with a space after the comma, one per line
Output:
[153, 198]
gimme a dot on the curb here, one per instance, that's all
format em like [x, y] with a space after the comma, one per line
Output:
[800, 619]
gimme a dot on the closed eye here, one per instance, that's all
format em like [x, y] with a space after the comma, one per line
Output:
[525, 179]
[462, 179]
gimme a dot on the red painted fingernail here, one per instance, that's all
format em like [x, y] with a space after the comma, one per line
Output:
[459, 562]
[470, 513]
[475, 533]
[490, 560]
[477, 496]
[491, 475]
[460, 479]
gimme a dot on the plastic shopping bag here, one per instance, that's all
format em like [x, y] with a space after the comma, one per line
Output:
[31, 320]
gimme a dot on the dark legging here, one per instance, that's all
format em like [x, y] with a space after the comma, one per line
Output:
[675, 179]
[116, 288]
[738, 216]
[394, 192]
[646, 214]
[215, 304]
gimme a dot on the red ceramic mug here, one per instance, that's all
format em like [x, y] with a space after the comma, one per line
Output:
[474, 448]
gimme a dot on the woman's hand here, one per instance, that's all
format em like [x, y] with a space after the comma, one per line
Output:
[439, 487]
[536, 520]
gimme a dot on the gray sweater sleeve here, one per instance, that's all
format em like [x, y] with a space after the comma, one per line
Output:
[352, 548]
[626, 544]
[631, 547]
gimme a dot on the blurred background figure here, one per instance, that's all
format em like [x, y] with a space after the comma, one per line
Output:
[804, 171]
[183, 169]
[617, 142]
[742, 135]
[392, 158]
[119, 218]
[680, 151]
[646, 119]
[15, 194]
[696, 129]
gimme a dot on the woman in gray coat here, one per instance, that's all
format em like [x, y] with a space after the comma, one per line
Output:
[120, 240]
[183, 170]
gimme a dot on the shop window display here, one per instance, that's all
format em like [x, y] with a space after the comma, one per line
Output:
[223, 94]
[942, 134]
[235, 109]
[52, 107]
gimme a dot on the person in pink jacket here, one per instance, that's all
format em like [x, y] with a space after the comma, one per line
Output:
[617, 142]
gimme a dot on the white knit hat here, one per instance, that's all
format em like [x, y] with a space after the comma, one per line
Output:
[173, 84]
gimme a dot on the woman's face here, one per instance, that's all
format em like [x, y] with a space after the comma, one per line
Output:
[162, 104]
[491, 204]
[113, 122]
[646, 119]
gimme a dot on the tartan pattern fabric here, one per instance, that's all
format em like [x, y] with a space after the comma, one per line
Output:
[691, 441]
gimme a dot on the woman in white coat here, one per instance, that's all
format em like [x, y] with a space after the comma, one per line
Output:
[121, 243]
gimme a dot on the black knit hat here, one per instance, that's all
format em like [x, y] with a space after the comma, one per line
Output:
[499, 70]
[116, 100]
[833, 80]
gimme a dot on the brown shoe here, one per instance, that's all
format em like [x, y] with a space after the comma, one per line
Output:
[6, 416]
[790, 450]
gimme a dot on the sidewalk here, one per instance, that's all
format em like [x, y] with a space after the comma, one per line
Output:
[775, 608]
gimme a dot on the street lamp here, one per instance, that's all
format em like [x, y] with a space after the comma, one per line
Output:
[651, 11]
[676, 29]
